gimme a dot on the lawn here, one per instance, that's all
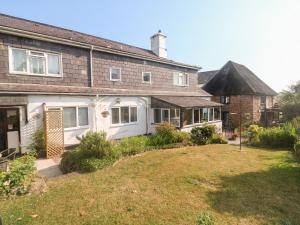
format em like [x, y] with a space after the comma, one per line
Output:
[173, 186]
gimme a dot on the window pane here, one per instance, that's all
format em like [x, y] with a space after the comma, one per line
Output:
[147, 77]
[12, 119]
[53, 64]
[204, 114]
[124, 115]
[83, 116]
[188, 117]
[165, 115]
[175, 118]
[69, 117]
[37, 65]
[133, 114]
[157, 115]
[115, 115]
[196, 116]
[19, 60]
[211, 114]
[115, 74]
[217, 114]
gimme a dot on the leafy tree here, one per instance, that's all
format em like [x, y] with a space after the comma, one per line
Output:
[289, 101]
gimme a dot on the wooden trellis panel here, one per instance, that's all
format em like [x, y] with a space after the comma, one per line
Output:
[54, 133]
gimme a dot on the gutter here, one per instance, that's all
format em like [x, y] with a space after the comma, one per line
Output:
[42, 37]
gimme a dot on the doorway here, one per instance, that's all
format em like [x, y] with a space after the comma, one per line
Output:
[9, 128]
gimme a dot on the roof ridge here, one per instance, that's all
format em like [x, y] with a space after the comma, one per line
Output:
[73, 31]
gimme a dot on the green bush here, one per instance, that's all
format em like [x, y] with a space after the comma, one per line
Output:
[296, 124]
[164, 135]
[70, 161]
[202, 135]
[297, 149]
[38, 142]
[205, 219]
[182, 137]
[132, 145]
[95, 145]
[275, 137]
[18, 179]
[218, 139]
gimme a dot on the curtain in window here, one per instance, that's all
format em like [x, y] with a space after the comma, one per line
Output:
[204, 115]
[124, 115]
[83, 118]
[69, 117]
[133, 114]
[115, 115]
[19, 60]
[37, 65]
[53, 64]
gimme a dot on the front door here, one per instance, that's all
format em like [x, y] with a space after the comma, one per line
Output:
[9, 128]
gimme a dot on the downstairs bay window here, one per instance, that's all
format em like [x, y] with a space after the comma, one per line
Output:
[123, 115]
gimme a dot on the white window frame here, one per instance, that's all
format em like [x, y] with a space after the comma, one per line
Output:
[129, 115]
[146, 82]
[110, 73]
[176, 79]
[77, 117]
[28, 54]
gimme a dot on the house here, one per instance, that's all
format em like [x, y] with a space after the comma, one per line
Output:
[71, 82]
[240, 90]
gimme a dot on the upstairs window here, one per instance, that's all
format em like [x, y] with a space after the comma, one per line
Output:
[147, 77]
[225, 99]
[180, 79]
[27, 62]
[115, 74]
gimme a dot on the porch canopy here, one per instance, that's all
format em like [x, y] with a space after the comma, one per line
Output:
[181, 102]
[184, 110]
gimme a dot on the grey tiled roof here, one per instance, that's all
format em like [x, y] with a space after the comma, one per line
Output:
[204, 77]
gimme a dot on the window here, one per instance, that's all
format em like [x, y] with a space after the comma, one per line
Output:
[175, 117]
[124, 115]
[146, 77]
[83, 118]
[263, 100]
[180, 79]
[217, 114]
[196, 115]
[75, 117]
[225, 99]
[204, 115]
[211, 114]
[157, 115]
[27, 62]
[165, 115]
[115, 74]
[188, 117]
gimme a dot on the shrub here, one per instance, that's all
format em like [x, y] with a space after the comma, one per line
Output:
[276, 137]
[296, 124]
[38, 142]
[18, 179]
[95, 145]
[182, 137]
[218, 139]
[164, 135]
[202, 135]
[205, 219]
[297, 149]
[132, 145]
[70, 161]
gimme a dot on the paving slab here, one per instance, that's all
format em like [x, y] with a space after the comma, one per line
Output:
[48, 167]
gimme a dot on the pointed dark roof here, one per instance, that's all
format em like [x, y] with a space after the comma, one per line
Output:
[204, 77]
[237, 79]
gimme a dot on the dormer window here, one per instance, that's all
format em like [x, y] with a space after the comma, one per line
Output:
[115, 74]
[27, 62]
[180, 79]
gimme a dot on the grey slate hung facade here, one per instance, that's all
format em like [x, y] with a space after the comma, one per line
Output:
[99, 84]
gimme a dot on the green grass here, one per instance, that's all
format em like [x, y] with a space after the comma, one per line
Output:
[173, 186]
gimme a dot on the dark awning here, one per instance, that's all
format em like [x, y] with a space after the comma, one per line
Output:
[181, 102]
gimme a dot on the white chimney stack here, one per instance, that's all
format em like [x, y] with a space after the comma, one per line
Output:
[158, 44]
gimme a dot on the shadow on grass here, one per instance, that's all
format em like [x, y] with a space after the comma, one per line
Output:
[272, 196]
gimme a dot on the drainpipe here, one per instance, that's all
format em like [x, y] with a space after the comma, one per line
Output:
[91, 67]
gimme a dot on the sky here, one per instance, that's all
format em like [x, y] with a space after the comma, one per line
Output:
[264, 35]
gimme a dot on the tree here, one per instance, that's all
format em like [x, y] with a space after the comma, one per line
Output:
[289, 101]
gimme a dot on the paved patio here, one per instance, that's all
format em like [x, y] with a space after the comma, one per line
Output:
[48, 167]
